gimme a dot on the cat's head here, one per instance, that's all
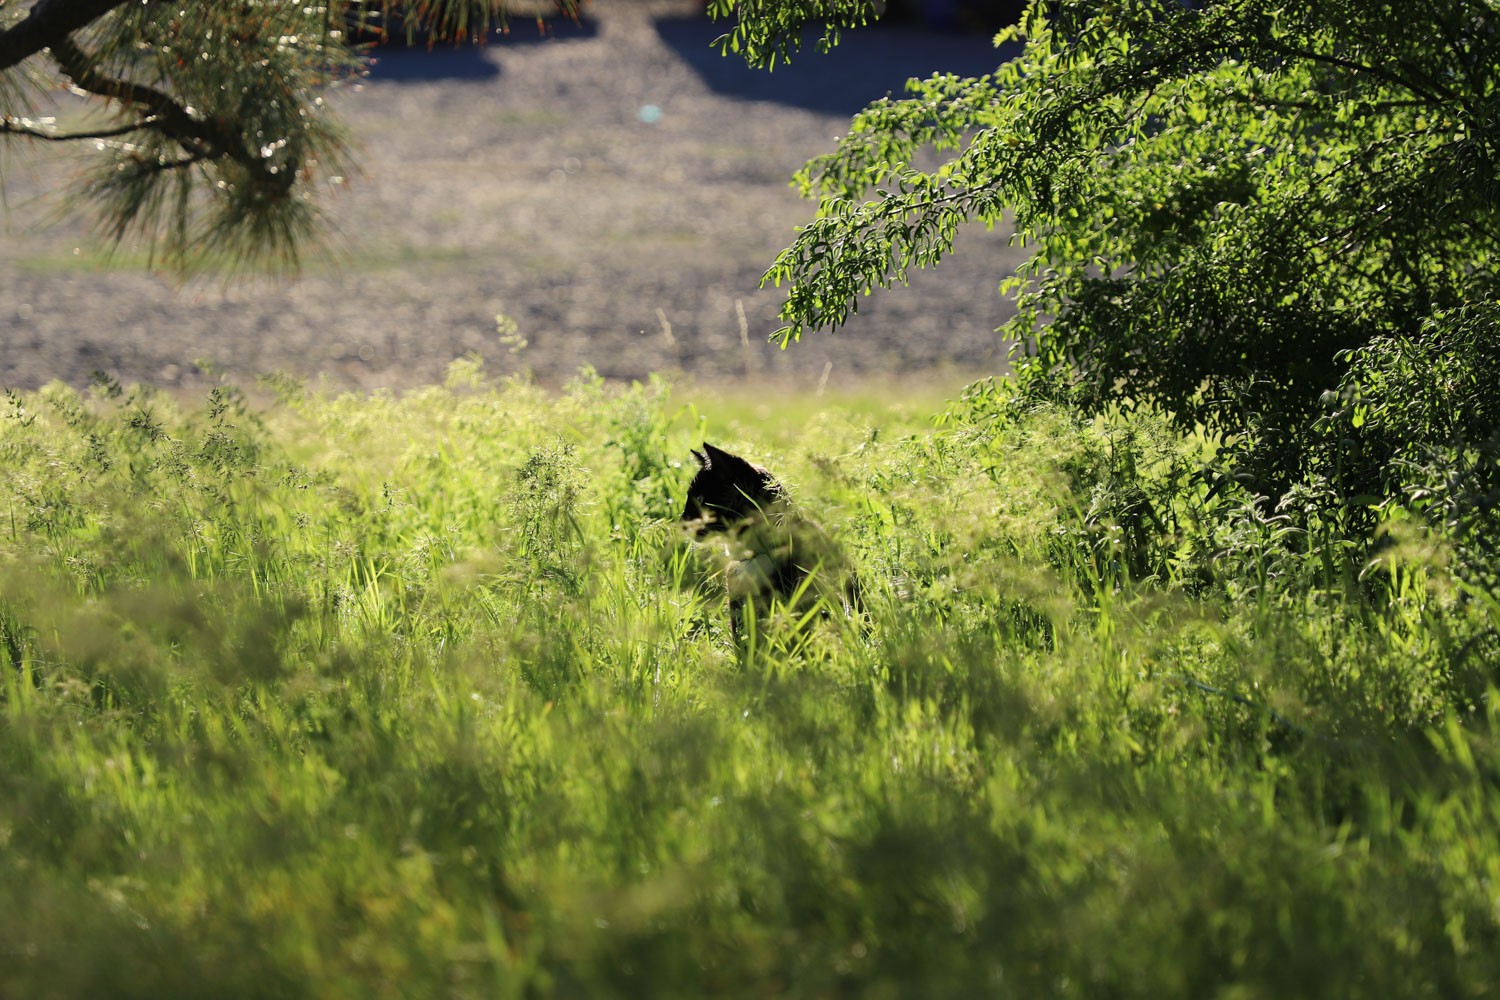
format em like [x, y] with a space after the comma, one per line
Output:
[727, 491]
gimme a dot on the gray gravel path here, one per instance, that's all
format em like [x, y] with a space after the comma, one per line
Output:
[528, 179]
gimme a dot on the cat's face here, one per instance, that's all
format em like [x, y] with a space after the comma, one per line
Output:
[727, 491]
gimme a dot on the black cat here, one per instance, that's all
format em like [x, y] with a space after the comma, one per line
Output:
[758, 544]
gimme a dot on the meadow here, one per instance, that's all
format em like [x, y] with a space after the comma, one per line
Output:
[308, 694]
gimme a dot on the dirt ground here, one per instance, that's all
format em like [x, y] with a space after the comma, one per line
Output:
[616, 189]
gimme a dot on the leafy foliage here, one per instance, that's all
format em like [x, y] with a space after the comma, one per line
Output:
[766, 32]
[1229, 205]
[1428, 408]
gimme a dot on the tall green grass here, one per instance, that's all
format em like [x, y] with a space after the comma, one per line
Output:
[416, 696]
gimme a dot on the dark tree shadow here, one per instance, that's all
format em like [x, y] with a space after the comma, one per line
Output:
[422, 61]
[866, 65]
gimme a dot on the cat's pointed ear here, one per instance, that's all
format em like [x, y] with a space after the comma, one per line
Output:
[714, 453]
[702, 458]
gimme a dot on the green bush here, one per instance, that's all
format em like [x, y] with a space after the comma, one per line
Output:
[1247, 217]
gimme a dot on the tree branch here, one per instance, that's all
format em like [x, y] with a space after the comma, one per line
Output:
[43, 129]
[175, 119]
[1431, 96]
[199, 138]
[47, 23]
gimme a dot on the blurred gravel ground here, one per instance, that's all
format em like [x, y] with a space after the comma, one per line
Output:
[600, 187]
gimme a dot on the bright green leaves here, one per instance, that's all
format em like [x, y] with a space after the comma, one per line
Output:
[853, 248]
[911, 216]
[1222, 201]
[770, 31]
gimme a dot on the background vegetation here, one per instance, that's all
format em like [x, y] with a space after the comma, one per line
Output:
[379, 695]
[1256, 217]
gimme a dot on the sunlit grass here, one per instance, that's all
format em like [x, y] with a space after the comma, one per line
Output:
[413, 695]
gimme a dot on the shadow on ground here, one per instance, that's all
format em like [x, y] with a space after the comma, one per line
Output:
[867, 64]
[424, 62]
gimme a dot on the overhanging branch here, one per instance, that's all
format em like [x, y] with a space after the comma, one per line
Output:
[47, 23]
[45, 130]
[197, 137]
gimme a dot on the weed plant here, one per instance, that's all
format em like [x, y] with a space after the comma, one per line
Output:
[417, 696]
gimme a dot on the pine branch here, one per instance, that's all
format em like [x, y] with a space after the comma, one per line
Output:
[43, 129]
[201, 139]
[46, 24]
